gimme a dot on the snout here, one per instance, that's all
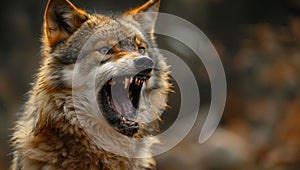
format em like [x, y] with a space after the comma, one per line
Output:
[143, 62]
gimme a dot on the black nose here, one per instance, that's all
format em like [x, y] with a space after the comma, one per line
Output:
[143, 62]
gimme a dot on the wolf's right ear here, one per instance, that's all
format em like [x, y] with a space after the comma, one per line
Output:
[61, 20]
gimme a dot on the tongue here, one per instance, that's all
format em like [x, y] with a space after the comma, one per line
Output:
[120, 101]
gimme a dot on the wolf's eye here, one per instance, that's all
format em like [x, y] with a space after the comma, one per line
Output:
[142, 50]
[105, 50]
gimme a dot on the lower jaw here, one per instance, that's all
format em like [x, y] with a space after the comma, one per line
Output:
[119, 107]
[128, 128]
[124, 124]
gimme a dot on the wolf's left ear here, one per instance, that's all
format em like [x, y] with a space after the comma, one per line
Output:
[61, 20]
[145, 15]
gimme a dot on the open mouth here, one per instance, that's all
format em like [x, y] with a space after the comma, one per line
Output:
[120, 99]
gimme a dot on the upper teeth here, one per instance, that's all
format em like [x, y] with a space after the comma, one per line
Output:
[127, 81]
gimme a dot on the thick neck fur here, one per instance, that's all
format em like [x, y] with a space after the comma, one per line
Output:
[56, 138]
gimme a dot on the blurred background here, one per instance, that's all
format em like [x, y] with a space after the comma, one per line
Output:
[259, 44]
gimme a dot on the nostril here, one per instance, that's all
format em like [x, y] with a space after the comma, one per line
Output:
[143, 62]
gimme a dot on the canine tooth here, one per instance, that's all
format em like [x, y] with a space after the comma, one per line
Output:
[147, 81]
[108, 99]
[126, 83]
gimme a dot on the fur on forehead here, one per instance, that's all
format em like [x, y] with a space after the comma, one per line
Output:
[115, 24]
[106, 28]
[62, 19]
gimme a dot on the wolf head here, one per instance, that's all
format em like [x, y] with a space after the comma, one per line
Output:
[110, 63]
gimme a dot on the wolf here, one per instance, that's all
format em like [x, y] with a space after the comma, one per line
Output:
[98, 95]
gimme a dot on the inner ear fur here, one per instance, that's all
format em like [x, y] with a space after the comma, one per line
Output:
[61, 19]
[145, 15]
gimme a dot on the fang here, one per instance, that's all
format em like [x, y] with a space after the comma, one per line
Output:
[126, 83]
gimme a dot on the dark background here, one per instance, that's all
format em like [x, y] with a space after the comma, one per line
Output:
[258, 42]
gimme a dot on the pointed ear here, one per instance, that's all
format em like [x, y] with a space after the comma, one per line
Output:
[61, 20]
[145, 15]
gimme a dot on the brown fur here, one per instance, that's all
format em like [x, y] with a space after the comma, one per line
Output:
[48, 134]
